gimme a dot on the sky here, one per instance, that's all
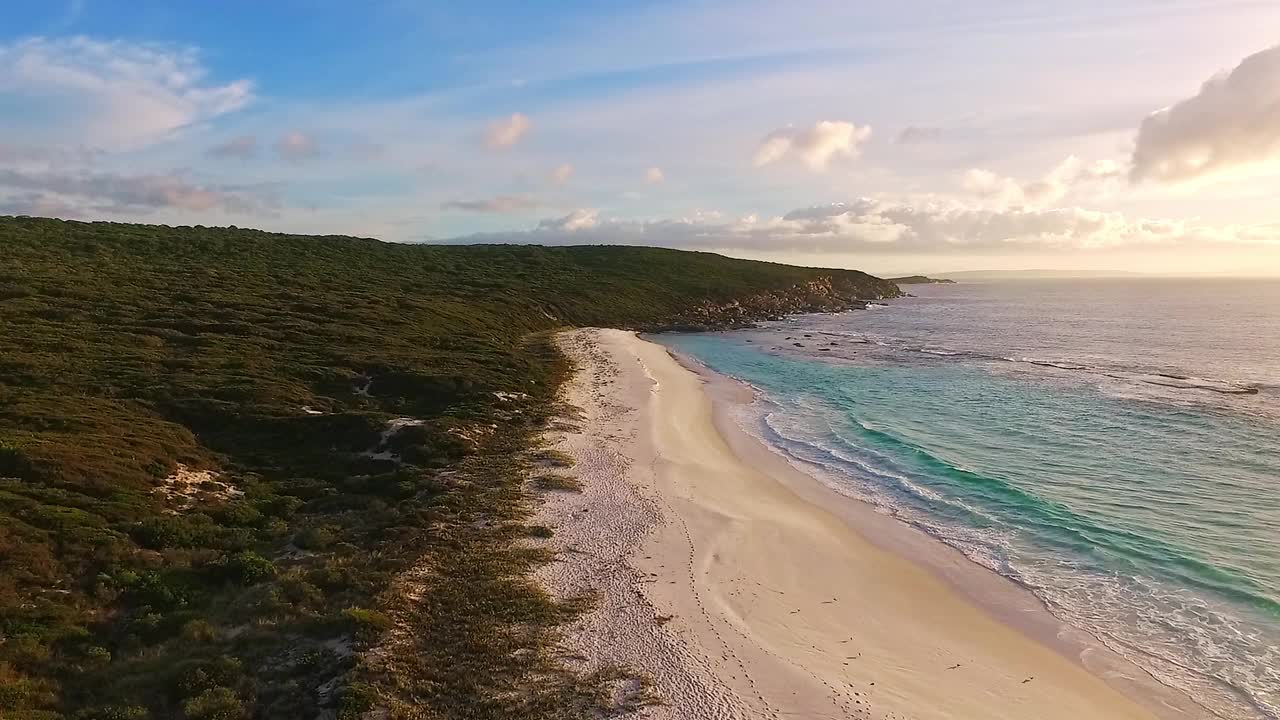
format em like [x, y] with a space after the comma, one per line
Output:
[895, 137]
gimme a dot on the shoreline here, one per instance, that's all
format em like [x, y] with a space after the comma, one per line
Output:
[1007, 601]
[744, 587]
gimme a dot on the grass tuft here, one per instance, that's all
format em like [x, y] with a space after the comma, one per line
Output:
[553, 481]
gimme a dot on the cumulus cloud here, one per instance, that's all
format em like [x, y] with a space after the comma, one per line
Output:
[100, 192]
[814, 146]
[296, 146]
[499, 204]
[561, 174]
[506, 132]
[110, 94]
[921, 224]
[1233, 123]
[242, 147]
[653, 176]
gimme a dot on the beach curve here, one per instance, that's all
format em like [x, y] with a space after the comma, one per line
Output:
[739, 596]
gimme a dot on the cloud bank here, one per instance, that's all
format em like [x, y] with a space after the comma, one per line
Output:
[814, 146]
[924, 224]
[1233, 123]
[84, 193]
[1066, 177]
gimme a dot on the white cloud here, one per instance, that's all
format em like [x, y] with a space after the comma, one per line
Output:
[296, 146]
[582, 219]
[561, 174]
[499, 204]
[110, 94]
[814, 146]
[653, 176]
[507, 132]
[241, 147]
[773, 148]
[1233, 123]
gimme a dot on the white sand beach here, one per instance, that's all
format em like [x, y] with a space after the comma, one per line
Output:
[746, 589]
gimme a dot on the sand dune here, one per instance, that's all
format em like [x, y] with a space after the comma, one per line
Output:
[745, 589]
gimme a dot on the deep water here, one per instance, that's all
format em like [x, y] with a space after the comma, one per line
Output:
[1112, 445]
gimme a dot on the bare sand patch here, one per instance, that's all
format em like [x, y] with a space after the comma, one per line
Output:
[185, 487]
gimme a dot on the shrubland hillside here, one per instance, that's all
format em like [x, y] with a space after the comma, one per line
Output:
[252, 475]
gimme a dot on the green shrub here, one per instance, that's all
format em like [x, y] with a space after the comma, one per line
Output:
[239, 514]
[316, 538]
[198, 676]
[334, 576]
[357, 699]
[247, 567]
[297, 591]
[199, 631]
[164, 532]
[316, 659]
[160, 590]
[367, 622]
[232, 539]
[214, 704]
[565, 483]
[115, 712]
[555, 459]
[29, 649]
[21, 693]
[280, 506]
[16, 693]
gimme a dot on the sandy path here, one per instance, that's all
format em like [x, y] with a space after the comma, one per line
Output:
[742, 598]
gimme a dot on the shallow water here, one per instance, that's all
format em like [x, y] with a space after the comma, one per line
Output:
[1112, 445]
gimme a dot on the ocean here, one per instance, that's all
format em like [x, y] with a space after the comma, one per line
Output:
[1111, 445]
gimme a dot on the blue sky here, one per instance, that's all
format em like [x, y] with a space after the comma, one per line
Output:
[893, 136]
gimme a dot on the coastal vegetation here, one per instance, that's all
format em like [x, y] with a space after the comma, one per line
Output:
[252, 475]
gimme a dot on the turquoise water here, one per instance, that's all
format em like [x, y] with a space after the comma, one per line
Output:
[1114, 447]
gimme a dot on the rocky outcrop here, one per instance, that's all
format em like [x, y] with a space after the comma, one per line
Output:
[824, 294]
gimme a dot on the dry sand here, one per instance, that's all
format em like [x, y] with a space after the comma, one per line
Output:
[747, 590]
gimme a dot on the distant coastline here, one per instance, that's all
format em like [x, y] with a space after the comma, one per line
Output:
[920, 280]
[1037, 274]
